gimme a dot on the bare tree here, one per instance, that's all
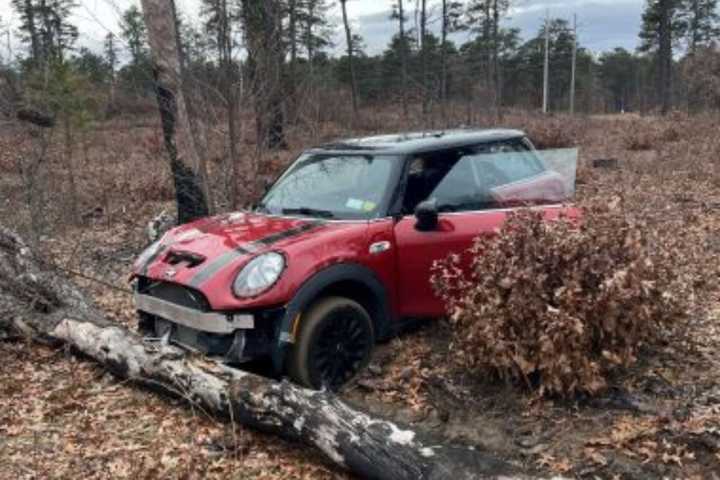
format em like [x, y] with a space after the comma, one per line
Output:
[350, 53]
[423, 56]
[189, 173]
[263, 33]
[665, 55]
[219, 22]
[399, 15]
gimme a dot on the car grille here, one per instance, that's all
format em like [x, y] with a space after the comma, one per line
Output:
[177, 294]
[208, 343]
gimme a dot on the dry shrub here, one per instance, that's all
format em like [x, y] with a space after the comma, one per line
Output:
[650, 134]
[559, 304]
[553, 132]
[639, 137]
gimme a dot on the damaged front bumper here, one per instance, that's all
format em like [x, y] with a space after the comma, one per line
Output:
[182, 316]
[211, 322]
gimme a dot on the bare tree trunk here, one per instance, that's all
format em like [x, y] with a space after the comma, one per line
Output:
[443, 60]
[403, 57]
[665, 57]
[292, 34]
[40, 304]
[351, 60]
[263, 31]
[423, 56]
[189, 171]
[70, 165]
[497, 84]
[32, 28]
[225, 51]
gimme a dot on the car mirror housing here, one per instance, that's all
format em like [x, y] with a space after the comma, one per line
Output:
[427, 216]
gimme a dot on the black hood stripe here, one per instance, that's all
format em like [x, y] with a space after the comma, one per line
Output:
[249, 248]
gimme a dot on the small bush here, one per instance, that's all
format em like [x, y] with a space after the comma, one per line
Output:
[553, 132]
[560, 303]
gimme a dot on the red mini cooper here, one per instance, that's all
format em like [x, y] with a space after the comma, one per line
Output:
[337, 255]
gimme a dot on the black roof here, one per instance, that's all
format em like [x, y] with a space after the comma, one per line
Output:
[418, 142]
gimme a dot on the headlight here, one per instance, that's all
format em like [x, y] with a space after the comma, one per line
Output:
[147, 254]
[259, 274]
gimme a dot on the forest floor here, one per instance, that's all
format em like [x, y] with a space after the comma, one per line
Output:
[65, 417]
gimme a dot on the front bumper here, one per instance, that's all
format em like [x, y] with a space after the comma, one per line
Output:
[183, 317]
[211, 322]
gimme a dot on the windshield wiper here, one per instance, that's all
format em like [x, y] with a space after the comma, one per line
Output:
[311, 212]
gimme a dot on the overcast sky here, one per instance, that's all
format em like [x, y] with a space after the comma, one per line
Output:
[602, 24]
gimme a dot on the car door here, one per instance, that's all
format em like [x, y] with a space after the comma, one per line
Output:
[461, 183]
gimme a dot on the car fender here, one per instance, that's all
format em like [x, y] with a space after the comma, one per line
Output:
[314, 286]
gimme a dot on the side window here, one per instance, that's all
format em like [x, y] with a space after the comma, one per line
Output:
[469, 179]
[445, 177]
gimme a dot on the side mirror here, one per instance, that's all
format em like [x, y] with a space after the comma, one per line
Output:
[427, 216]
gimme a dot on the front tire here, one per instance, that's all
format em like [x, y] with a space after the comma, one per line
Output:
[335, 342]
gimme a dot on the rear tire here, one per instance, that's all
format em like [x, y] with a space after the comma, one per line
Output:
[335, 342]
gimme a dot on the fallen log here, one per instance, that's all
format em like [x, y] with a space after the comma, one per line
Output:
[39, 302]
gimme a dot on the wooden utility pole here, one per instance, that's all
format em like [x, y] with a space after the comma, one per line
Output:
[574, 66]
[189, 174]
[546, 65]
[351, 60]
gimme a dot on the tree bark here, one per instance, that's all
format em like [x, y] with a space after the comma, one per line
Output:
[263, 33]
[403, 57]
[423, 57]
[189, 171]
[443, 60]
[38, 302]
[351, 60]
[665, 57]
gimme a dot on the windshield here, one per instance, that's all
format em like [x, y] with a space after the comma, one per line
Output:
[331, 186]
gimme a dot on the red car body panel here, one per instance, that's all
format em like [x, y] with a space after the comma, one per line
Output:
[228, 242]
[403, 268]
[418, 251]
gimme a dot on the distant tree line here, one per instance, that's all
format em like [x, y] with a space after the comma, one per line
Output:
[275, 51]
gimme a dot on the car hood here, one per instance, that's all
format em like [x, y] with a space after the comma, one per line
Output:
[192, 254]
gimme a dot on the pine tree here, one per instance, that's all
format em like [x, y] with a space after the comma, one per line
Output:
[45, 26]
[398, 14]
[663, 24]
[110, 51]
[701, 23]
[134, 32]
[315, 30]
[483, 18]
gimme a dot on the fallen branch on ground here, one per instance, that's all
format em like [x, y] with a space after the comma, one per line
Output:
[45, 305]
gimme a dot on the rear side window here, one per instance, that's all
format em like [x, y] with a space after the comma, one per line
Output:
[481, 177]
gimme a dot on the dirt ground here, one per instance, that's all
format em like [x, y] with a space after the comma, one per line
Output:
[64, 417]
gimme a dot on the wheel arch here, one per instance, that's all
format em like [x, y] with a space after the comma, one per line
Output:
[350, 280]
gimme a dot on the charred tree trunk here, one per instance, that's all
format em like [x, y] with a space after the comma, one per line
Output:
[38, 302]
[188, 170]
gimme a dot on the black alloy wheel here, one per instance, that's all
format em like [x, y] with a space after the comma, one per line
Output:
[335, 342]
